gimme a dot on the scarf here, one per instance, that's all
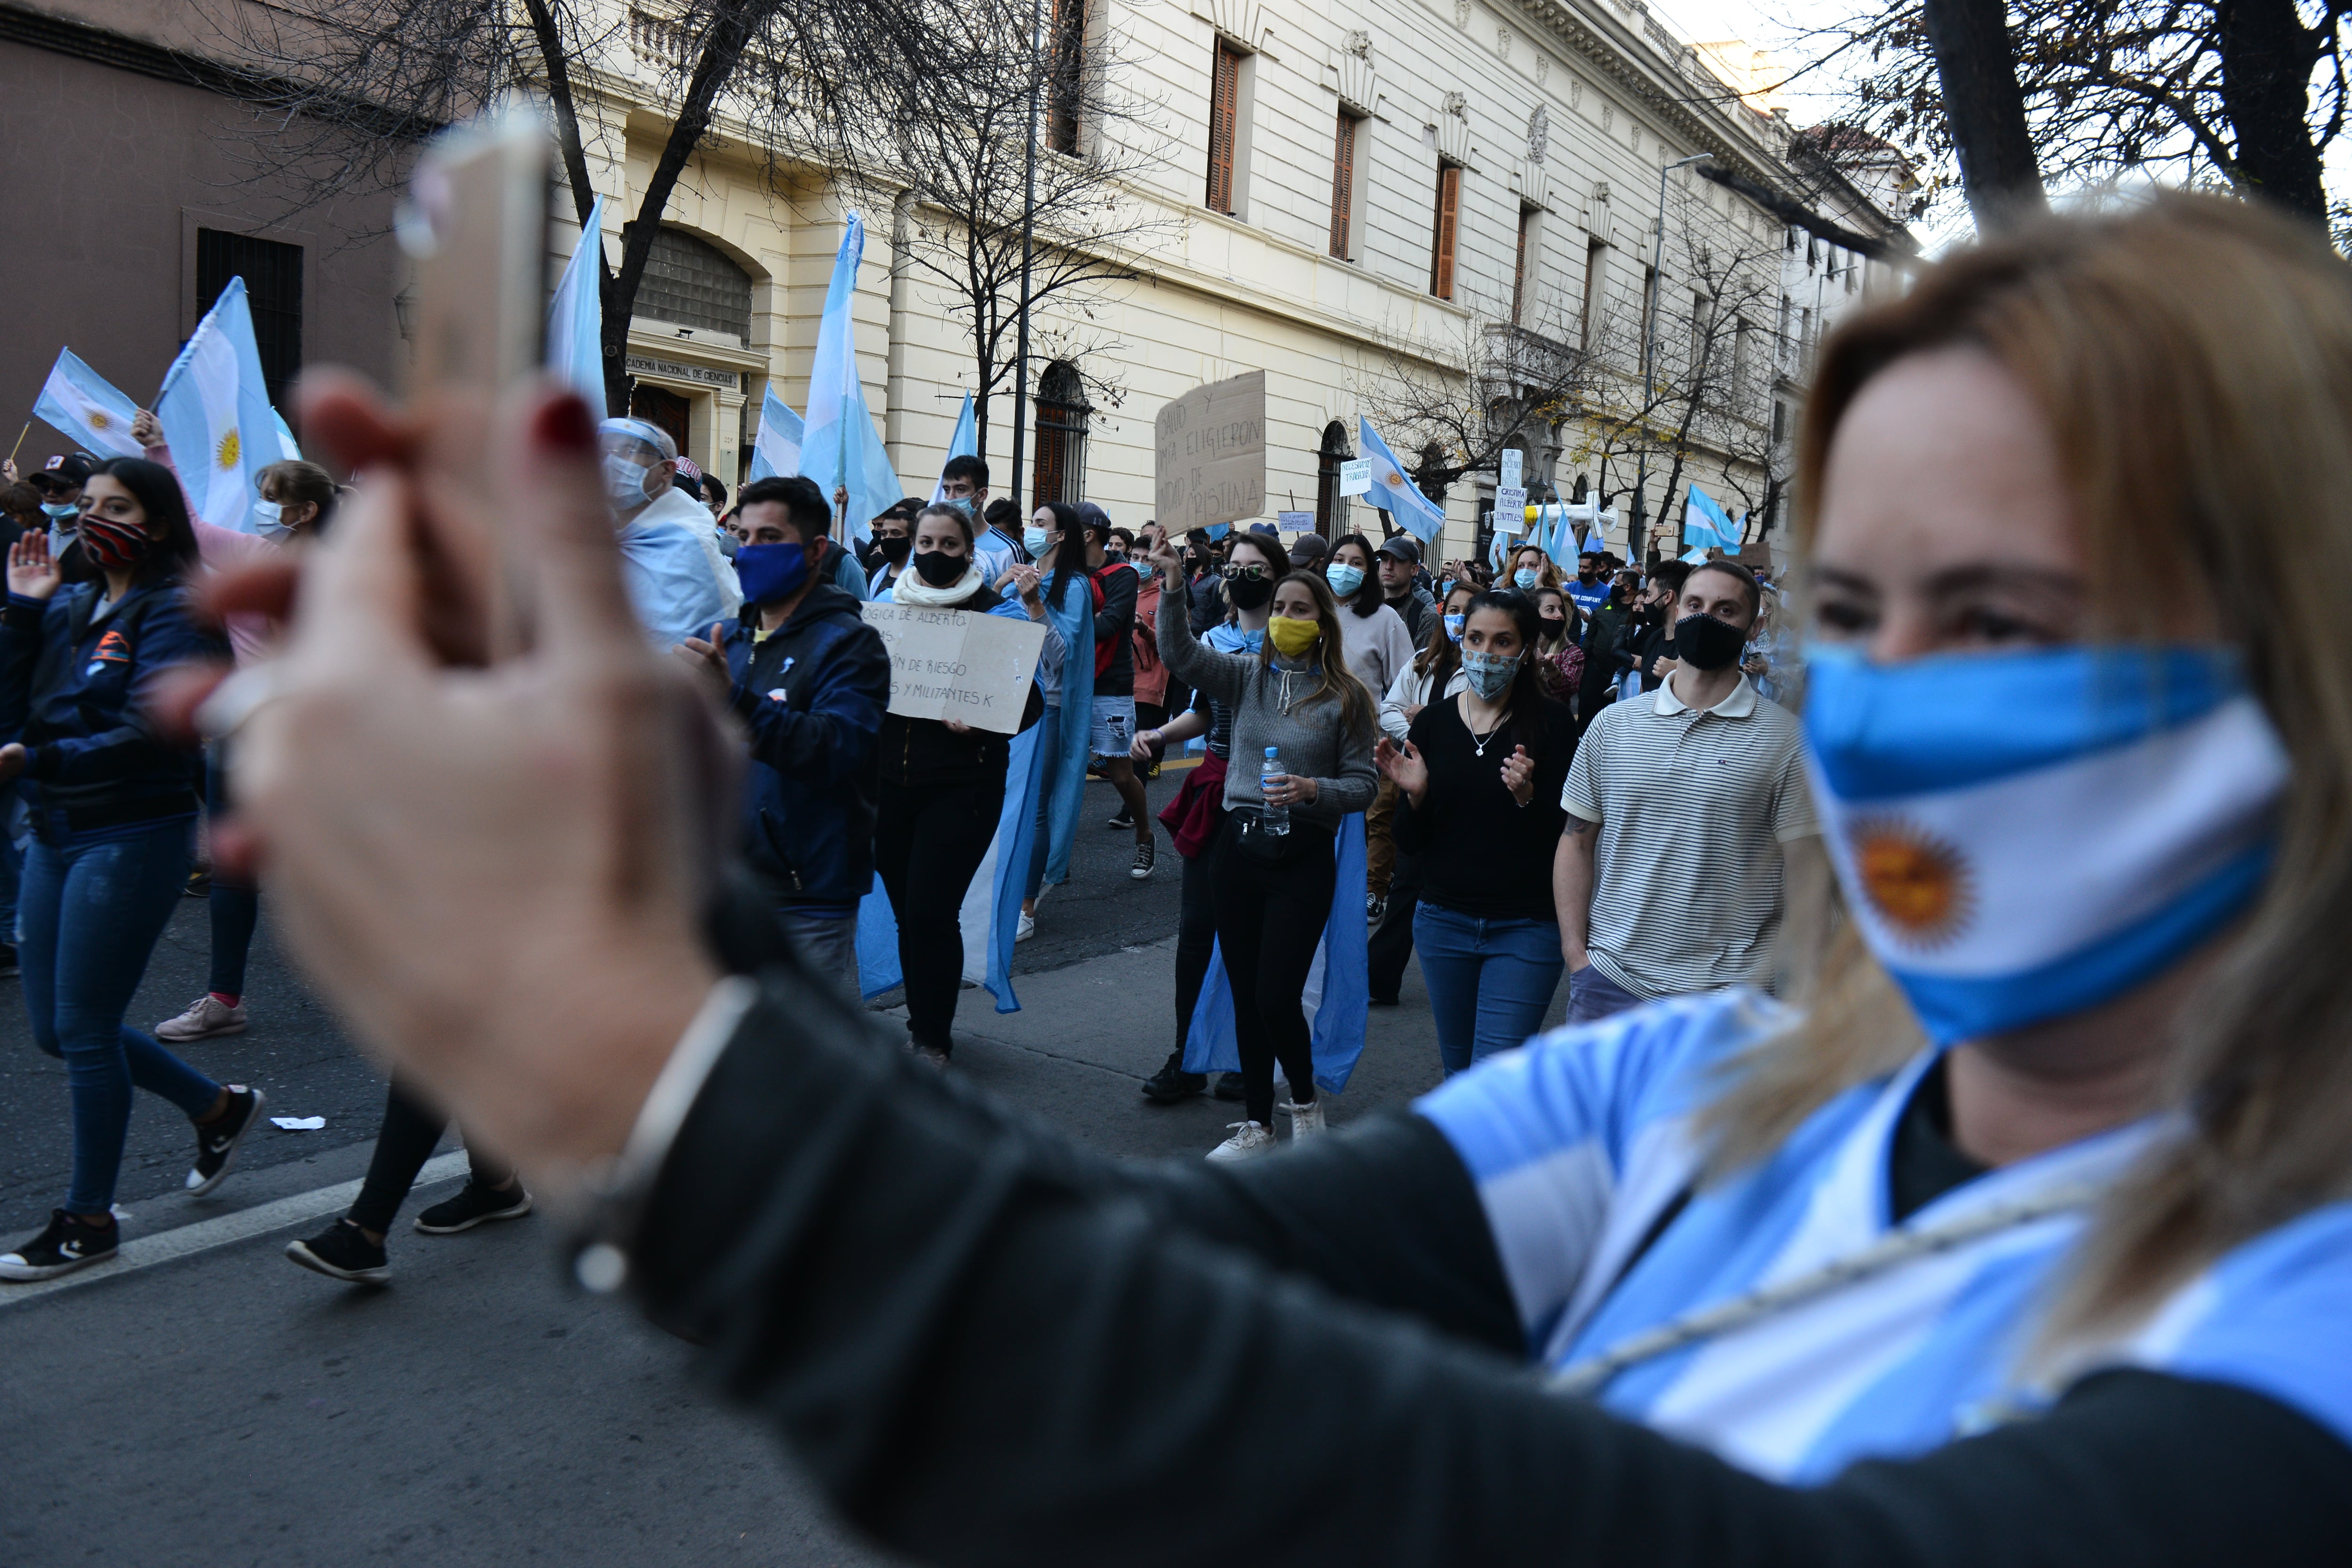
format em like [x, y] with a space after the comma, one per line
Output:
[910, 589]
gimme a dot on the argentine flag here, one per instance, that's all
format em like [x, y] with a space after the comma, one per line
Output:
[1071, 614]
[215, 413]
[1402, 500]
[776, 449]
[1705, 523]
[575, 318]
[964, 443]
[1337, 999]
[839, 447]
[80, 403]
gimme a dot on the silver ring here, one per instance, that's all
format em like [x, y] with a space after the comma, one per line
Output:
[237, 699]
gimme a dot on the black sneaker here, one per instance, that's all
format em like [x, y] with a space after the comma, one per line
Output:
[67, 1245]
[1124, 819]
[8, 965]
[216, 1142]
[1229, 1088]
[342, 1252]
[200, 882]
[475, 1204]
[1171, 1083]
[1146, 851]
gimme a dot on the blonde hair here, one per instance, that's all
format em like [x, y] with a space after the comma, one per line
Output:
[2193, 357]
[1358, 709]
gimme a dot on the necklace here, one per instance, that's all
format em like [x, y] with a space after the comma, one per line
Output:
[1478, 741]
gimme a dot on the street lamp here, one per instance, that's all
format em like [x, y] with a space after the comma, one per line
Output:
[1650, 346]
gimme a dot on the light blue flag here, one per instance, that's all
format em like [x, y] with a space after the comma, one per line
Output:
[991, 915]
[575, 318]
[964, 443]
[838, 447]
[216, 412]
[85, 405]
[1695, 555]
[1337, 997]
[1072, 616]
[1705, 523]
[776, 449]
[286, 438]
[1399, 496]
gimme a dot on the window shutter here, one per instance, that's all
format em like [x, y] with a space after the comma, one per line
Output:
[1449, 205]
[1343, 184]
[1519, 271]
[1225, 88]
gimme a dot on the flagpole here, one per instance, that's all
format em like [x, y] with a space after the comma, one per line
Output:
[1028, 237]
[20, 440]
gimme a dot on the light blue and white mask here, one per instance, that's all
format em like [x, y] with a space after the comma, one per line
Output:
[2024, 835]
[1344, 580]
[1489, 673]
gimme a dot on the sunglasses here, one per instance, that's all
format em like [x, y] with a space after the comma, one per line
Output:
[1232, 574]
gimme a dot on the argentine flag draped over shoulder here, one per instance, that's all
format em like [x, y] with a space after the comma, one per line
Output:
[838, 445]
[216, 417]
[1071, 614]
[1415, 512]
[575, 318]
[991, 915]
[1337, 999]
[83, 405]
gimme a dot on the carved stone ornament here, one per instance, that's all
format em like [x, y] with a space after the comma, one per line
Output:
[1539, 134]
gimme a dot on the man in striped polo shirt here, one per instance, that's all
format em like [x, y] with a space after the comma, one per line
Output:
[1684, 809]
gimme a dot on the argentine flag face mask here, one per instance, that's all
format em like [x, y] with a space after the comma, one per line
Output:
[2024, 835]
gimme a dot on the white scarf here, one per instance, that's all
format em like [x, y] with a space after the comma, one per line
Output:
[910, 589]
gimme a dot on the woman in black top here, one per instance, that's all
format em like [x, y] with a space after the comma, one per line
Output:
[1482, 820]
[942, 789]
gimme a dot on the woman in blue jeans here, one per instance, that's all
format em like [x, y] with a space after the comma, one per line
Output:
[113, 809]
[1478, 780]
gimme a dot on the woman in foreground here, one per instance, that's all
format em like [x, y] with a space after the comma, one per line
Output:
[2026, 1242]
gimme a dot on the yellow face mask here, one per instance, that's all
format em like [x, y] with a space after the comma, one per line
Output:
[1291, 637]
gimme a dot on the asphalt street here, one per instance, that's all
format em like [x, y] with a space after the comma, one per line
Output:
[220, 1406]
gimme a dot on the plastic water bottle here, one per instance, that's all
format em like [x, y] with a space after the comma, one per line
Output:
[1274, 821]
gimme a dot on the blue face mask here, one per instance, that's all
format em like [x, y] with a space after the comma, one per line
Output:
[1344, 580]
[1037, 540]
[1489, 673]
[770, 571]
[1526, 578]
[1453, 627]
[2024, 835]
[59, 510]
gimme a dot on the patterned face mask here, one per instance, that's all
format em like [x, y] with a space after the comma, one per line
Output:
[113, 546]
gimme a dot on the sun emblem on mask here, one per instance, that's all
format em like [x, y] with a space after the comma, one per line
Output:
[1917, 883]
[227, 456]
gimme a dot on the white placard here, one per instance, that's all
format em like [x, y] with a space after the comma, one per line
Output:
[1512, 457]
[1510, 510]
[1356, 477]
[954, 664]
[1295, 522]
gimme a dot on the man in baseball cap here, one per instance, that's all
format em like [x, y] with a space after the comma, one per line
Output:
[1399, 562]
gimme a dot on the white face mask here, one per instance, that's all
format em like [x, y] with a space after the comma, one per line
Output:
[625, 482]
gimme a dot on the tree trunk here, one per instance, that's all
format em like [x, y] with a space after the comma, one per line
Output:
[2266, 58]
[1985, 110]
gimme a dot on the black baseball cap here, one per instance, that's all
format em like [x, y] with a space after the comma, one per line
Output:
[1404, 546]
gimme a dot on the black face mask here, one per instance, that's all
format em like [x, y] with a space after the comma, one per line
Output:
[893, 550]
[938, 568]
[1704, 643]
[1250, 593]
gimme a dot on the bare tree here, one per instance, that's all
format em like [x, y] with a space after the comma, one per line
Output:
[344, 90]
[964, 166]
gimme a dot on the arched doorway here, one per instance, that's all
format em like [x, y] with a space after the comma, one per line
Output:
[1062, 414]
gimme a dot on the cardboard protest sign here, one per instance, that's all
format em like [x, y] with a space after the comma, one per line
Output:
[954, 664]
[1212, 454]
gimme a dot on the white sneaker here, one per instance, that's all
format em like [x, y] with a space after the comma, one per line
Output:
[1306, 1121]
[1250, 1140]
[204, 1018]
[1026, 929]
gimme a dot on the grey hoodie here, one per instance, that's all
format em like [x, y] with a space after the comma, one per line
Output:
[1314, 742]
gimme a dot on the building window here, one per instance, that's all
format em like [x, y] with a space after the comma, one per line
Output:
[1523, 273]
[1596, 284]
[1063, 74]
[1343, 183]
[670, 410]
[273, 292]
[1445, 229]
[1062, 414]
[1330, 506]
[1225, 124]
[692, 283]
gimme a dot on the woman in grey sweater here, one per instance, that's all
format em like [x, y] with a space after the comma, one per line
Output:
[1273, 894]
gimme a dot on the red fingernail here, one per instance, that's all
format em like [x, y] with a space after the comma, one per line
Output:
[566, 426]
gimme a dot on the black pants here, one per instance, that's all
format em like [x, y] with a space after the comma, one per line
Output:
[928, 839]
[1269, 920]
[403, 1145]
[1196, 933]
[1393, 942]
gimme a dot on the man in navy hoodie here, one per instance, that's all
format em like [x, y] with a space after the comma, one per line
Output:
[810, 680]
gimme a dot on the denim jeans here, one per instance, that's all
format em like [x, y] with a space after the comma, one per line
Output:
[827, 943]
[1592, 996]
[12, 861]
[1489, 980]
[91, 914]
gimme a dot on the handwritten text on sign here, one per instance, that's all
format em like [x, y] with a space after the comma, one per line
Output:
[954, 664]
[1212, 454]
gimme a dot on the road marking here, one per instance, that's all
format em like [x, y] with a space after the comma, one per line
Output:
[187, 1240]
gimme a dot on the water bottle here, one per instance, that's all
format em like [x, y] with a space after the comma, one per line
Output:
[1274, 821]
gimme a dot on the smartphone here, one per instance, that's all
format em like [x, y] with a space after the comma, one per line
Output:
[476, 226]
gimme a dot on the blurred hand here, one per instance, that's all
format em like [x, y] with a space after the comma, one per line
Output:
[1164, 560]
[1140, 747]
[13, 758]
[1404, 767]
[708, 660]
[1519, 775]
[146, 429]
[956, 726]
[496, 874]
[31, 574]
